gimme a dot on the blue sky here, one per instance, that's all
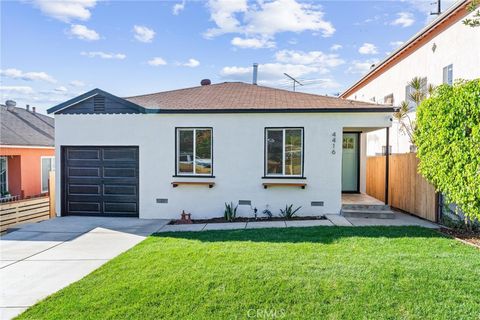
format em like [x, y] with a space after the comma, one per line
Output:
[52, 51]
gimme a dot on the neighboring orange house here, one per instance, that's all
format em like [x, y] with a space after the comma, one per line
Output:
[26, 151]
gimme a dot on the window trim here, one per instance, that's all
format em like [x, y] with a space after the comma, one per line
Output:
[52, 158]
[446, 69]
[266, 175]
[177, 148]
[6, 173]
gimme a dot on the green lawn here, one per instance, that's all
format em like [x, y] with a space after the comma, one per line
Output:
[299, 273]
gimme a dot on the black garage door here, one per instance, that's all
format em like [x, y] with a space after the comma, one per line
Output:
[100, 181]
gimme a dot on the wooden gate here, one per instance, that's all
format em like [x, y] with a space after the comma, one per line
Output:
[408, 190]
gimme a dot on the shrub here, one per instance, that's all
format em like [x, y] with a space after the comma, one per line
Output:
[288, 213]
[230, 212]
[448, 141]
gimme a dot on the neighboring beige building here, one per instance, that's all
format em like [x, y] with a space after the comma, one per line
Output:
[443, 51]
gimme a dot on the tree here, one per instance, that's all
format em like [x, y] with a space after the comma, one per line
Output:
[475, 21]
[419, 91]
[448, 141]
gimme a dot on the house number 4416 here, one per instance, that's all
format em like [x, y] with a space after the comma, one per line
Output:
[334, 140]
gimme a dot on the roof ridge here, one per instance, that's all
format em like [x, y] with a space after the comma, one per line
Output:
[182, 89]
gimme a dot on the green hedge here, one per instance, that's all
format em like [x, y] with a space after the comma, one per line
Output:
[448, 142]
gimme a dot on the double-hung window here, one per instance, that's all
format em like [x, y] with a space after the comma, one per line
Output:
[3, 176]
[284, 152]
[448, 74]
[194, 151]
[48, 164]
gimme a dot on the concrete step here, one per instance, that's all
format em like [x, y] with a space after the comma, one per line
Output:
[375, 214]
[369, 207]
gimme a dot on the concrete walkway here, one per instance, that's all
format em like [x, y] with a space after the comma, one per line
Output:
[401, 219]
[42, 258]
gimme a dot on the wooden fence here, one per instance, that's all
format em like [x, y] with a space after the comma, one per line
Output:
[408, 190]
[28, 210]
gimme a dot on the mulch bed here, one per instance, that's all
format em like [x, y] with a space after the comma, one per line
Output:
[241, 219]
[467, 236]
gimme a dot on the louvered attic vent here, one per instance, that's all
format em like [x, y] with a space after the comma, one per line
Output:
[99, 104]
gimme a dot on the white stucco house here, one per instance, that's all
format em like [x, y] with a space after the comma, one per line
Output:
[193, 149]
[443, 51]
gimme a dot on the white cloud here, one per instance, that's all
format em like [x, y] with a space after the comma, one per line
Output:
[66, 11]
[361, 67]
[396, 44]
[298, 64]
[404, 19]
[253, 43]
[265, 19]
[178, 7]
[157, 61]
[103, 55]
[336, 47]
[16, 90]
[368, 48]
[83, 33]
[192, 63]
[143, 34]
[321, 61]
[77, 83]
[28, 76]
[61, 89]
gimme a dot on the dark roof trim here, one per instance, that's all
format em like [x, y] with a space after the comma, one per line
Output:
[293, 110]
[90, 94]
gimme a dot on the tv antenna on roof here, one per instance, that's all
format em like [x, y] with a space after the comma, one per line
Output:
[294, 80]
[439, 8]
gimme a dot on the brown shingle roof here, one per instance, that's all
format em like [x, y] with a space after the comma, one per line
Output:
[243, 96]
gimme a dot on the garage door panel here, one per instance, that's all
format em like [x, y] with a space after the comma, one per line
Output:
[102, 182]
[120, 208]
[121, 190]
[83, 172]
[84, 207]
[129, 154]
[112, 172]
[83, 154]
[80, 189]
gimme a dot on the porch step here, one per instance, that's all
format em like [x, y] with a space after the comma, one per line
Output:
[366, 207]
[374, 214]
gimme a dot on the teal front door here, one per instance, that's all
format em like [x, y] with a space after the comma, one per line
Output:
[350, 162]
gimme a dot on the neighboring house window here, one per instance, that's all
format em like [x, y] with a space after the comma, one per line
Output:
[284, 151]
[388, 99]
[3, 176]
[48, 164]
[448, 74]
[194, 151]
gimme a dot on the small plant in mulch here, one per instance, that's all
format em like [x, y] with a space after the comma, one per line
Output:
[230, 212]
[288, 213]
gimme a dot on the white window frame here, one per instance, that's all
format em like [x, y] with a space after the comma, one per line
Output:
[283, 129]
[6, 171]
[177, 151]
[445, 74]
[52, 159]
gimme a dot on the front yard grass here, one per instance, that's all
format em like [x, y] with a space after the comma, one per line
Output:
[294, 273]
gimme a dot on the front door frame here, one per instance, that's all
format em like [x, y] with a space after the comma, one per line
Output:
[358, 160]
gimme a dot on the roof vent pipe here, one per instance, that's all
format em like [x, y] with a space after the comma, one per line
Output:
[34, 109]
[28, 107]
[255, 73]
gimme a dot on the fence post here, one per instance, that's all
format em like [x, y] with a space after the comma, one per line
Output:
[51, 193]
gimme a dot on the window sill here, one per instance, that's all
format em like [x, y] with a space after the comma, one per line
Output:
[191, 176]
[193, 183]
[282, 184]
[283, 177]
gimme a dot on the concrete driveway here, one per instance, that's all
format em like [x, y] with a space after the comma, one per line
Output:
[41, 258]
